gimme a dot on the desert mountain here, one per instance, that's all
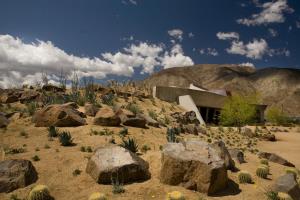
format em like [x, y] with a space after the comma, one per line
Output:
[276, 86]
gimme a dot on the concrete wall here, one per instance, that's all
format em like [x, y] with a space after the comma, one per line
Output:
[188, 104]
[201, 98]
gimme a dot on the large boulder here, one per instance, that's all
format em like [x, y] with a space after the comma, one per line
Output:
[9, 96]
[107, 117]
[149, 120]
[237, 154]
[135, 122]
[275, 158]
[186, 118]
[195, 165]
[289, 185]
[225, 155]
[112, 162]
[64, 115]
[3, 120]
[16, 174]
[90, 109]
[28, 96]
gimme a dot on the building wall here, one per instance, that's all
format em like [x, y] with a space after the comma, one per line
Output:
[201, 98]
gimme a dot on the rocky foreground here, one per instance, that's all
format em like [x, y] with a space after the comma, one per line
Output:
[123, 144]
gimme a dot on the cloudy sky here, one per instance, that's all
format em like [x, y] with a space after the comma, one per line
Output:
[130, 39]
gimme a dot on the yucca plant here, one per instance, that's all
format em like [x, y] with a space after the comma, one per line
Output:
[65, 138]
[130, 144]
[244, 177]
[52, 131]
[171, 134]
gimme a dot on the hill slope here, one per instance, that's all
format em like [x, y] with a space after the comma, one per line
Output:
[277, 86]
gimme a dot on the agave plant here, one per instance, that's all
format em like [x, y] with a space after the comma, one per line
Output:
[65, 138]
[52, 131]
[130, 144]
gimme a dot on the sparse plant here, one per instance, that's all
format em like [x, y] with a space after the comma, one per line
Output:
[271, 195]
[82, 149]
[152, 114]
[37, 149]
[47, 146]
[89, 149]
[24, 134]
[133, 108]
[145, 148]
[117, 186]
[244, 177]
[31, 107]
[264, 162]
[14, 150]
[130, 144]
[36, 158]
[262, 172]
[14, 197]
[76, 172]
[52, 131]
[123, 132]
[108, 99]
[39, 192]
[65, 138]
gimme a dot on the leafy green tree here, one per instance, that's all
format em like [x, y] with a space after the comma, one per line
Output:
[276, 116]
[237, 111]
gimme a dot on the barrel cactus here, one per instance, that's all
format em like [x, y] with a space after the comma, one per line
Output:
[262, 171]
[175, 195]
[283, 196]
[97, 196]
[244, 177]
[40, 192]
[264, 162]
[293, 171]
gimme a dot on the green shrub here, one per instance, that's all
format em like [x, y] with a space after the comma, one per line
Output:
[36, 158]
[39, 192]
[145, 148]
[130, 144]
[65, 138]
[123, 132]
[244, 177]
[262, 172]
[31, 107]
[52, 131]
[133, 108]
[276, 116]
[152, 114]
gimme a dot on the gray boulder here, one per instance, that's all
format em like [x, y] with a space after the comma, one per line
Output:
[275, 158]
[195, 165]
[16, 174]
[112, 162]
[289, 185]
[237, 154]
[225, 155]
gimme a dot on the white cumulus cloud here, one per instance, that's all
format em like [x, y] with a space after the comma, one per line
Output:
[247, 64]
[176, 58]
[209, 51]
[176, 33]
[272, 12]
[228, 36]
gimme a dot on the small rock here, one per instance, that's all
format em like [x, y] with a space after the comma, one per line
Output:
[237, 154]
[90, 109]
[107, 117]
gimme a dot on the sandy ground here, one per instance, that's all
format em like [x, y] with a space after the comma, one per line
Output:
[57, 163]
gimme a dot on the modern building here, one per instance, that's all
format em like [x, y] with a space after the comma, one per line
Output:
[207, 104]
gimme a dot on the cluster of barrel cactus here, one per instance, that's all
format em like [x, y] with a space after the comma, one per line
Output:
[262, 171]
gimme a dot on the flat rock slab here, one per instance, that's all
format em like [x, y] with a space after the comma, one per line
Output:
[16, 174]
[275, 158]
[115, 162]
[195, 165]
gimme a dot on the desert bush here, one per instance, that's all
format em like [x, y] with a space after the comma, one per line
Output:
[175, 195]
[36, 158]
[89, 90]
[262, 172]
[123, 132]
[47, 146]
[133, 108]
[145, 148]
[130, 144]
[76, 172]
[31, 107]
[14, 150]
[40, 192]
[271, 195]
[117, 186]
[52, 131]
[97, 196]
[276, 116]
[108, 99]
[244, 177]
[237, 111]
[65, 138]
[152, 114]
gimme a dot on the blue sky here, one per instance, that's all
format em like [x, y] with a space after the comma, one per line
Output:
[117, 38]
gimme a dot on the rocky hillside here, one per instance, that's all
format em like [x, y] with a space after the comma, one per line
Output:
[276, 86]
